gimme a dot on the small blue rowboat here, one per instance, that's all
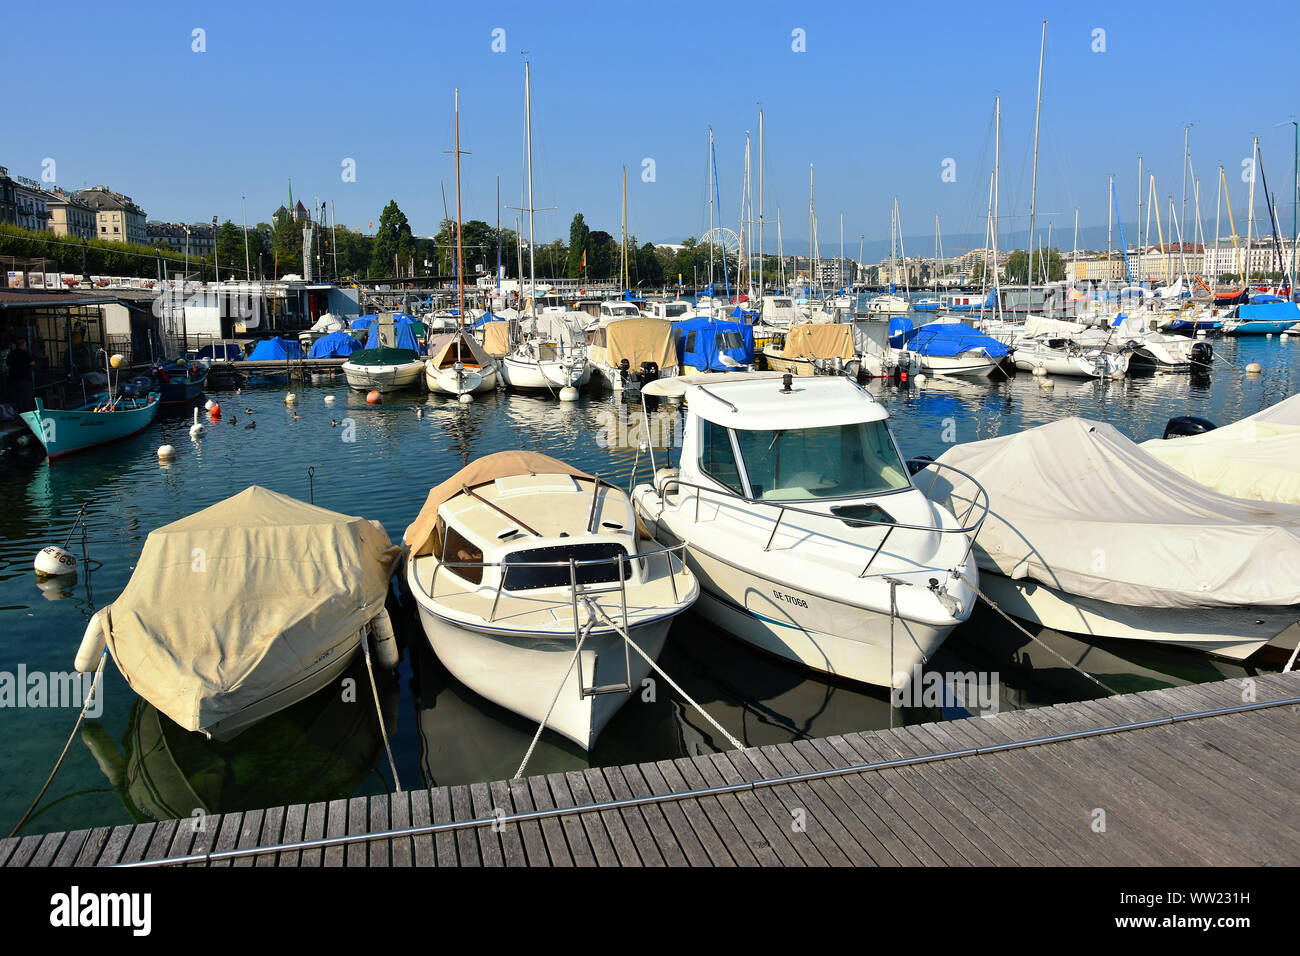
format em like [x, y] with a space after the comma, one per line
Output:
[926, 305]
[1263, 319]
[98, 422]
[179, 385]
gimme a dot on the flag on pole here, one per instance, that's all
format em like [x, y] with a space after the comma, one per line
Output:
[582, 265]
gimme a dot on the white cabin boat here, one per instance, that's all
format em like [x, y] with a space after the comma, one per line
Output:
[457, 365]
[536, 589]
[804, 527]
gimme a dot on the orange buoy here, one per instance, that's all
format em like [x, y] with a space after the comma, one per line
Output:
[215, 412]
[374, 398]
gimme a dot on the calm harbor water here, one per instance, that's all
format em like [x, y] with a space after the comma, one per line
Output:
[130, 763]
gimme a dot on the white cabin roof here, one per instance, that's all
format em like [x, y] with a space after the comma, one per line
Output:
[758, 403]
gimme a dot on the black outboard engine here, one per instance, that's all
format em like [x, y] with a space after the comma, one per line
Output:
[918, 463]
[1202, 356]
[1186, 425]
[624, 370]
[649, 372]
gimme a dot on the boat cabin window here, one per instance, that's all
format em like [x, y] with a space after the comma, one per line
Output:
[716, 457]
[457, 548]
[518, 577]
[782, 304]
[728, 340]
[689, 345]
[673, 309]
[837, 461]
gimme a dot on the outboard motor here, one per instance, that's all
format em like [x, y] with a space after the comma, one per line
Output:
[918, 463]
[649, 372]
[1186, 425]
[1202, 356]
[624, 370]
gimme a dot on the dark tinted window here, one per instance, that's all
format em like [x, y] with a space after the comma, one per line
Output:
[518, 578]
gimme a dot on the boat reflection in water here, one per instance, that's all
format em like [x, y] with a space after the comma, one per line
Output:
[322, 748]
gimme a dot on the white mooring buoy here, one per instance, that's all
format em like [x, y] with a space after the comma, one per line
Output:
[54, 561]
[1039, 371]
[1254, 368]
[329, 399]
[568, 394]
[919, 379]
[207, 406]
[290, 398]
[166, 452]
[465, 398]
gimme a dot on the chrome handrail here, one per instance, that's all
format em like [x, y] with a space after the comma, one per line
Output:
[979, 499]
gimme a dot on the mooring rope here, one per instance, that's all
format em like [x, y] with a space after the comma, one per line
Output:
[662, 673]
[94, 687]
[582, 636]
[1016, 624]
[374, 694]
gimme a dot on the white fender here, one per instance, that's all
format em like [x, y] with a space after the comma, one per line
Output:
[92, 646]
[385, 641]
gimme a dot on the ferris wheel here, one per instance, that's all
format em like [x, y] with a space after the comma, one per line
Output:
[721, 238]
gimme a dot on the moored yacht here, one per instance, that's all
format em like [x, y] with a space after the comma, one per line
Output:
[533, 583]
[805, 529]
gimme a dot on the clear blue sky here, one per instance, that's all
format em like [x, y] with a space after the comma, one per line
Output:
[883, 94]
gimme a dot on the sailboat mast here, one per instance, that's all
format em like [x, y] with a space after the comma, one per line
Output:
[1138, 227]
[624, 276]
[812, 231]
[1033, 191]
[997, 183]
[460, 249]
[1250, 207]
[1110, 219]
[528, 139]
[761, 248]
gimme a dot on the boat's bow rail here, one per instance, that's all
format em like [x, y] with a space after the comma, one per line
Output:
[970, 522]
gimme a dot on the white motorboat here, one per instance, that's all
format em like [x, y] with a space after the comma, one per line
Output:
[383, 369]
[1089, 534]
[209, 631]
[802, 523]
[888, 304]
[627, 353]
[536, 589]
[951, 348]
[1062, 356]
[457, 365]
[821, 348]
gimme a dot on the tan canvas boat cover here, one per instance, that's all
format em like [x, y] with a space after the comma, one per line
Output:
[819, 341]
[496, 338]
[471, 351]
[239, 600]
[1077, 506]
[1257, 457]
[641, 340]
[503, 464]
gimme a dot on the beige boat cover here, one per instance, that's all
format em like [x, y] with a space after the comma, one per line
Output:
[503, 464]
[819, 341]
[1257, 457]
[641, 340]
[1079, 507]
[496, 338]
[239, 600]
[472, 353]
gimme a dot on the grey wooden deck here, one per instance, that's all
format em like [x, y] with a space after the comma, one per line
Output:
[1217, 790]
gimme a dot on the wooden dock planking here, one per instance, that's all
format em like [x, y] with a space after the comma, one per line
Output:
[1215, 790]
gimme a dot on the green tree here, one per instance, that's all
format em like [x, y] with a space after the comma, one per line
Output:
[579, 235]
[394, 245]
[286, 246]
[1017, 267]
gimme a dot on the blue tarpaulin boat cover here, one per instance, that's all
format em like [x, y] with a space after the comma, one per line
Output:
[948, 338]
[227, 352]
[402, 332]
[334, 345]
[701, 343]
[1269, 312]
[366, 321]
[276, 350]
[484, 319]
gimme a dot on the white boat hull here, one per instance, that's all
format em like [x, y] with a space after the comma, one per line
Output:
[1056, 362]
[1234, 633]
[469, 381]
[544, 376]
[382, 378]
[521, 672]
[968, 364]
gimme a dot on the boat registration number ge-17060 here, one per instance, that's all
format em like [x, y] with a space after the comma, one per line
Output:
[789, 598]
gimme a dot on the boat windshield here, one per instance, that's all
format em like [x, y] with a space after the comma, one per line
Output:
[838, 461]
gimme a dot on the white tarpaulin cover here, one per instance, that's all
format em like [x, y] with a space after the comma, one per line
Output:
[1077, 506]
[1257, 457]
[239, 600]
